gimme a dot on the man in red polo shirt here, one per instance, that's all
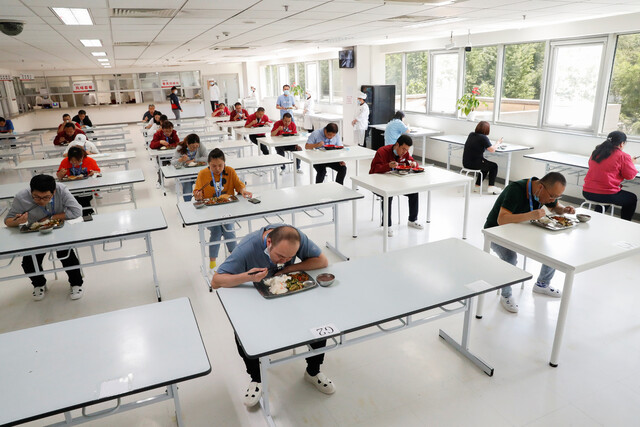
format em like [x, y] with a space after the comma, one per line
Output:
[258, 119]
[67, 134]
[286, 126]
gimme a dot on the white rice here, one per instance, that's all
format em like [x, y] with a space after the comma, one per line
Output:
[277, 284]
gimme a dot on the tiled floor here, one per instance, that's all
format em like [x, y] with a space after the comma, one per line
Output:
[406, 379]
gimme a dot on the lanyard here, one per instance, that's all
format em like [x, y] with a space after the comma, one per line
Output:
[530, 197]
[76, 170]
[191, 154]
[46, 211]
[217, 185]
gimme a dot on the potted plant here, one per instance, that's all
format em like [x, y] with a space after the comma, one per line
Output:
[469, 102]
[297, 91]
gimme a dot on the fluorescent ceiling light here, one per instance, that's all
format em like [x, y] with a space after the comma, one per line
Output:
[99, 53]
[107, 66]
[103, 60]
[435, 22]
[73, 16]
[91, 43]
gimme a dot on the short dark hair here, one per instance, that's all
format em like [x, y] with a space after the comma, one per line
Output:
[173, 88]
[398, 115]
[283, 86]
[483, 127]
[82, 112]
[69, 125]
[331, 128]
[164, 118]
[167, 125]
[2, 119]
[216, 153]
[287, 116]
[151, 105]
[552, 178]
[76, 152]
[284, 232]
[221, 103]
[65, 115]
[236, 104]
[43, 183]
[404, 139]
[260, 109]
[158, 113]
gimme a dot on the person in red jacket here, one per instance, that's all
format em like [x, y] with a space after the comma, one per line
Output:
[66, 118]
[68, 134]
[238, 113]
[165, 137]
[221, 111]
[608, 167]
[78, 165]
[286, 126]
[388, 158]
[258, 119]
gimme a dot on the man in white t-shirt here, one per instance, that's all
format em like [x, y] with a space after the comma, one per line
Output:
[81, 141]
[214, 94]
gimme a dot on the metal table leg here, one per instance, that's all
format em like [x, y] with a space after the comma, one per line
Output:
[153, 265]
[562, 318]
[354, 213]
[465, 220]
[385, 224]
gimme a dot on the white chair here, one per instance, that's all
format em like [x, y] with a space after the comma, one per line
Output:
[475, 172]
[604, 206]
[373, 203]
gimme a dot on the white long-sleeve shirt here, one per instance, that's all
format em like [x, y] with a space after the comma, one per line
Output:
[362, 117]
[214, 93]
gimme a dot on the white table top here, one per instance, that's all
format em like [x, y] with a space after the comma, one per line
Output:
[272, 201]
[53, 368]
[238, 163]
[462, 139]
[567, 159]
[108, 179]
[386, 184]
[233, 124]
[27, 133]
[282, 141]
[230, 145]
[327, 116]
[101, 158]
[602, 240]
[366, 291]
[351, 152]
[106, 225]
[107, 127]
[99, 144]
[106, 133]
[415, 131]
[253, 131]
[218, 119]
[11, 152]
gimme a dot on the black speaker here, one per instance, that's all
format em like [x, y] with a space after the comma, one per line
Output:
[381, 100]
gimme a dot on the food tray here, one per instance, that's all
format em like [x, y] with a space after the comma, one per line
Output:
[24, 228]
[554, 225]
[397, 172]
[67, 179]
[198, 164]
[264, 289]
[331, 147]
[221, 201]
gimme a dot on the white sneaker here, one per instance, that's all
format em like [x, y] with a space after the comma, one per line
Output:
[76, 292]
[509, 304]
[253, 394]
[416, 225]
[299, 171]
[390, 233]
[321, 382]
[547, 290]
[38, 292]
[492, 189]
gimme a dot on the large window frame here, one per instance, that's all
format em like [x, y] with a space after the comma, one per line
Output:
[276, 72]
[432, 80]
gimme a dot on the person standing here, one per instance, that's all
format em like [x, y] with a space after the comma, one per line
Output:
[175, 102]
[286, 103]
[609, 165]
[214, 94]
[361, 121]
[472, 157]
[308, 110]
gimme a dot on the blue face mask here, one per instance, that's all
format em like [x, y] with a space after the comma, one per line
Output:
[395, 152]
[286, 92]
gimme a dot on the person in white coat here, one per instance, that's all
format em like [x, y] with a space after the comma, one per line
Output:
[81, 141]
[307, 110]
[214, 94]
[361, 120]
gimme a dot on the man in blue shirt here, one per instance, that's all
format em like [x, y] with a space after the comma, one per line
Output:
[318, 139]
[269, 251]
[285, 102]
[395, 128]
[6, 126]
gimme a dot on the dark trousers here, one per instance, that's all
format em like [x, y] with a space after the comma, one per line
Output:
[623, 198]
[489, 169]
[67, 258]
[214, 105]
[85, 202]
[414, 202]
[263, 148]
[253, 365]
[321, 172]
[281, 150]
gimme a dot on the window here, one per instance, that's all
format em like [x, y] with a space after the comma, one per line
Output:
[300, 79]
[291, 71]
[575, 70]
[336, 82]
[268, 80]
[416, 90]
[282, 78]
[444, 83]
[59, 85]
[393, 75]
[324, 81]
[522, 83]
[480, 72]
[311, 79]
[623, 103]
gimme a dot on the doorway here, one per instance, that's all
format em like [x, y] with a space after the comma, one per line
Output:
[229, 88]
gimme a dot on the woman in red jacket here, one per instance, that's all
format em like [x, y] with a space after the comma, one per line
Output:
[608, 167]
[77, 165]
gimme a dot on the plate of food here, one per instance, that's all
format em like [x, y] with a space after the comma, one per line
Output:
[222, 200]
[555, 222]
[194, 164]
[73, 178]
[403, 167]
[285, 284]
[45, 224]
[417, 170]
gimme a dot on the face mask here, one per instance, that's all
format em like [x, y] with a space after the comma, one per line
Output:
[395, 152]
[286, 92]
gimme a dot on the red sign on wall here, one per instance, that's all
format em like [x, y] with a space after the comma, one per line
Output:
[79, 87]
[169, 83]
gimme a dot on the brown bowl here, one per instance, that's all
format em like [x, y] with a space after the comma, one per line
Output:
[325, 279]
[583, 217]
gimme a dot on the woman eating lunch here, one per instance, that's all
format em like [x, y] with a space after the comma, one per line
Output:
[189, 152]
[215, 181]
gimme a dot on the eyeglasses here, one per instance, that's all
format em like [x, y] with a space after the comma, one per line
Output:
[552, 197]
[44, 199]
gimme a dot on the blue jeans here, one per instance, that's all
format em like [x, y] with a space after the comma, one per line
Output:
[187, 190]
[544, 278]
[218, 231]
